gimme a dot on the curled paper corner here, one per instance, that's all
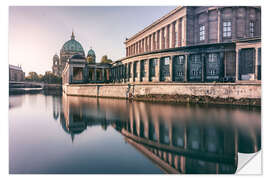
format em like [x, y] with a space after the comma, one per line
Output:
[249, 164]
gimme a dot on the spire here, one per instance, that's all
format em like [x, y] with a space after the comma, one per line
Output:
[72, 35]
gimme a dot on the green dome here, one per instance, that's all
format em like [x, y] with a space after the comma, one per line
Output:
[72, 46]
[91, 52]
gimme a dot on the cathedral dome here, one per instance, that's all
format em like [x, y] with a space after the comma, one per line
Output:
[72, 46]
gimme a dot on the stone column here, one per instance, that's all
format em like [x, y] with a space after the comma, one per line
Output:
[153, 40]
[179, 32]
[183, 31]
[247, 22]
[234, 25]
[173, 35]
[140, 46]
[139, 70]
[143, 46]
[133, 72]
[168, 37]
[147, 70]
[95, 78]
[162, 39]
[207, 28]
[150, 45]
[237, 64]
[171, 68]
[70, 74]
[186, 68]
[157, 70]
[158, 39]
[219, 27]
[103, 75]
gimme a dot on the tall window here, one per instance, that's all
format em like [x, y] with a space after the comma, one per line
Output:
[202, 33]
[227, 29]
[195, 59]
[212, 58]
[251, 29]
[166, 61]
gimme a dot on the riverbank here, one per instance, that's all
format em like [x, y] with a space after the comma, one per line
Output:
[32, 88]
[202, 93]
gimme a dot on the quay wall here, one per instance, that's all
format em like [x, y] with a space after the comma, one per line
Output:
[220, 93]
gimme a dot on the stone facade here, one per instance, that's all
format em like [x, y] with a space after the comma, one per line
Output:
[16, 73]
[78, 70]
[213, 43]
[226, 93]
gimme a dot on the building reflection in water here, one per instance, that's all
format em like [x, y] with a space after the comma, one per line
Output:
[177, 138]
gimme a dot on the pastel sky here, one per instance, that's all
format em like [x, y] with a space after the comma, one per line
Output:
[36, 33]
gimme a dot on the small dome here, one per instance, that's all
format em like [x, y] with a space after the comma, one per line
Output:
[56, 57]
[91, 52]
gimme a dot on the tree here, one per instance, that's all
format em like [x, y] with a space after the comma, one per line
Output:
[105, 60]
[32, 76]
[50, 78]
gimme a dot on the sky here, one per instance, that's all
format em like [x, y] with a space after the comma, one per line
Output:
[36, 33]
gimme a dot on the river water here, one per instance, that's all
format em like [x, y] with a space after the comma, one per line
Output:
[69, 134]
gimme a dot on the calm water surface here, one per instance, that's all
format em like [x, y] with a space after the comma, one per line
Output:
[67, 134]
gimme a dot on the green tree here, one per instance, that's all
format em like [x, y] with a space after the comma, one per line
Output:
[32, 76]
[50, 78]
[105, 60]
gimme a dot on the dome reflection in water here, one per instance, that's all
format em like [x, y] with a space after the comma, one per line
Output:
[177, 138]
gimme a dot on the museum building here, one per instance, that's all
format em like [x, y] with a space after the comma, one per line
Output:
[189, 44]
[16, 73]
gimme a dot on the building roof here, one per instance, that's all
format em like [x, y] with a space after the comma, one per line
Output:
[55, 56]
[15, 67]
[77, 56]
[154, 23]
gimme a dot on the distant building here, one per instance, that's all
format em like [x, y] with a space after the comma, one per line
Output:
[70, 48]
[16, 73]
[56, 68]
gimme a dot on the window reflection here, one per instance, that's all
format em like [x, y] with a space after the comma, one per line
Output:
[177, 138]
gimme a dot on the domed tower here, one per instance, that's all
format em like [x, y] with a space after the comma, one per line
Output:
[70, 48]
[91, 56]
[56, 65]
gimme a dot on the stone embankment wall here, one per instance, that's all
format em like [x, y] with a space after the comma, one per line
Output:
[217, 93]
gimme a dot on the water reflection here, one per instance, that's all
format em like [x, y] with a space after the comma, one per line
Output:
[177, 138]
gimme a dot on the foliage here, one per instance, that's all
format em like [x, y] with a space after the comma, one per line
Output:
[105, 60]
[49, 78]
[32, 76]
